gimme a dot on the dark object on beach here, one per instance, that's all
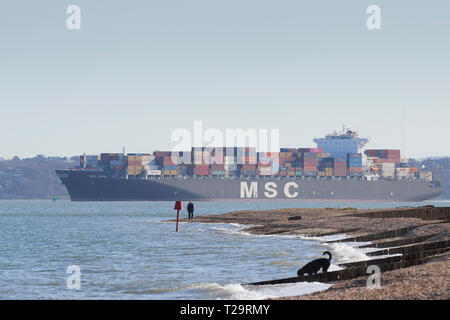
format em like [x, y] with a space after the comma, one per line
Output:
[295, 218]
[190, 210]
[428, 206]
[314, 266]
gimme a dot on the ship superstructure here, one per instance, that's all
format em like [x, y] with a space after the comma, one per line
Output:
[338, 145]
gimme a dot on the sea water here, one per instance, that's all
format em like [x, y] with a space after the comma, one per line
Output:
[130, 250]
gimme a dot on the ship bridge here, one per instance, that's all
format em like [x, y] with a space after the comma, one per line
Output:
[338, 145]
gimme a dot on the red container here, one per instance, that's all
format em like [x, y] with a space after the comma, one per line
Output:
[134, 163]
[246, 159]
[269, 154]
[310, 150]
[248, 167]
[217, 167]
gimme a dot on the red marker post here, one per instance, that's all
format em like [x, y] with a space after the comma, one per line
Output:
[178, 207]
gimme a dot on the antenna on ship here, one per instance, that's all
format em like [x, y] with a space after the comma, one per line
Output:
[403, 131]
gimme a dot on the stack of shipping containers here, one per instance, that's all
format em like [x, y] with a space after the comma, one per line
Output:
[134, 164]
[340, 167]
[91, 161]
[354, 164]
[384, 161]
[309, 160]
[169, 167]
[247, 162]
[326, 167]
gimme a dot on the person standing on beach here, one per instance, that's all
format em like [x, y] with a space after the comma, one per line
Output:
[190, 209]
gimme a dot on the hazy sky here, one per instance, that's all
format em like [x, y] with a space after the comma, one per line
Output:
[137, 70]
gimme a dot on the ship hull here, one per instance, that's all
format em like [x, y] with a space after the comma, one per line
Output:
[89, 186]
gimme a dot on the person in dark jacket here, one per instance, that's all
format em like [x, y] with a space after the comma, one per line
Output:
[190, 210]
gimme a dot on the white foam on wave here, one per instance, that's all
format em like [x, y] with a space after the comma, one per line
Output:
[239, 229]
[344, 253]
[357, 244]
[335, 267]
[248, 292]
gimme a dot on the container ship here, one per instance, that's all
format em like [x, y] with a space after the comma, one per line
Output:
[338, 168]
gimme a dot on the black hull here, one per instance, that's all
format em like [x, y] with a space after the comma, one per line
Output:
[88, 186]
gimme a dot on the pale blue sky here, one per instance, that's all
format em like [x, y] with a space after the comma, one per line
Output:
[137, 70]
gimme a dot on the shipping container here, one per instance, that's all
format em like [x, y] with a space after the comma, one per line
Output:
[217, 167]
[246, 167]
[310, 150]
[134, 170]
[285, 154]
[309, 155]
[230, 167]
[170, 172]
[154, 172]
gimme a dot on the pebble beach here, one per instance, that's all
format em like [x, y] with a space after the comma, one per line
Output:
[401, 227]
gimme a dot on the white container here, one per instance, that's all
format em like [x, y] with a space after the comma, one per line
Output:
[154, 172]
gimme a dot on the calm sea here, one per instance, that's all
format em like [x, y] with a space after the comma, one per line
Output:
[129, 250]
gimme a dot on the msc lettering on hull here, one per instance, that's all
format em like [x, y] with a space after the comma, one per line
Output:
[250, 190]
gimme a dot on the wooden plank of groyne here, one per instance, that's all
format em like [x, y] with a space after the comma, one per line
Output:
[425, 213]
[377, 236]
[399, 242]
[424, 246]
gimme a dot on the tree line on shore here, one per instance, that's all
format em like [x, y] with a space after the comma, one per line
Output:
[35, 178]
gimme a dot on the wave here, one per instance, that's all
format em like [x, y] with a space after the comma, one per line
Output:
[344, 253]
[236, 291]
[248, 292]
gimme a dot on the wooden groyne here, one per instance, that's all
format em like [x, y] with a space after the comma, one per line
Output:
[425, 213]
[412, 255]
[415, 248]
[409, 236]
[399, 242]
[378, 236]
